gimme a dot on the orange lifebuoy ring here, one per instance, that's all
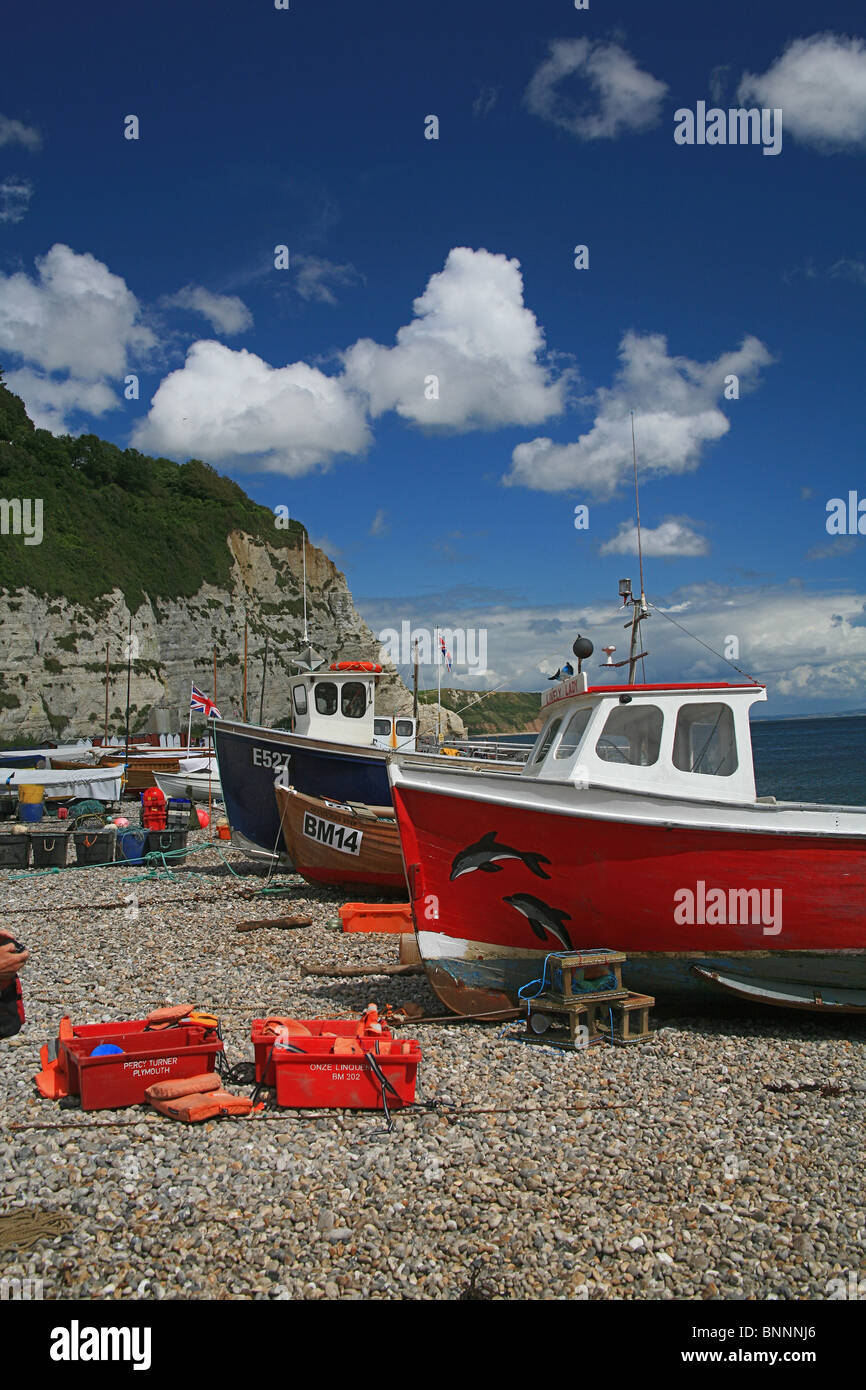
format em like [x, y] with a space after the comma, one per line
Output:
[355, 666]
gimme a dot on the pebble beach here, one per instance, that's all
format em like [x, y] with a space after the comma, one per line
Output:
[719, 1160]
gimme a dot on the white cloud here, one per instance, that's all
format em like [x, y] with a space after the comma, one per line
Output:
[622, 97]
[314, 276]
[15, 195]
[671, 538]
[51, 402]
[226, 405]
[17, 133]
[820, 85]
[484, 102]
[810, 648]
[675, 401]
[379, 525]
[473, 333]
[848, 269]
[75, 326]
[225, 313]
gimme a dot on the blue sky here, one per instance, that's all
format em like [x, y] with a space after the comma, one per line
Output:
[306, 127]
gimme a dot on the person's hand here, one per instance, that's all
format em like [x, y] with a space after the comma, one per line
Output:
[11, 961]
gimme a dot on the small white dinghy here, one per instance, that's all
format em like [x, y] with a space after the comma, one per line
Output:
[194, 780]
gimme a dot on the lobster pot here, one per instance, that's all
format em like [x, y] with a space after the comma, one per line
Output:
[50, 848]
[95, 846]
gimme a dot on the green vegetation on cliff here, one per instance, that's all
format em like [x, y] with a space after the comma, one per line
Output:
[505, 712]
[114, 518]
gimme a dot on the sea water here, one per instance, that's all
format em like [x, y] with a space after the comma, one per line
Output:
[816, 759]
[811, 759]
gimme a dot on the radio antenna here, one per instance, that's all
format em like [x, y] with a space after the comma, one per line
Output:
[637, 509]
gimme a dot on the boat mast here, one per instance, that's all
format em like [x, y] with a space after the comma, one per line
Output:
[245, 653]
[415, 683]
[105, 735]
[304, 559]
[438, 692]
[264, 676]
[640, 609]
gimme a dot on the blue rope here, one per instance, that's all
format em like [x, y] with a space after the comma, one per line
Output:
[555, 955]
[527, 999]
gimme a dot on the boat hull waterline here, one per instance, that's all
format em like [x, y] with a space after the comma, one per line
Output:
[495, 887]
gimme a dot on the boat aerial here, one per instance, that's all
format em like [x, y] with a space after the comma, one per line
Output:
[634, 824]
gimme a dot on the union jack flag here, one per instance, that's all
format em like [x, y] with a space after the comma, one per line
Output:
[445, 652]
[200, 701]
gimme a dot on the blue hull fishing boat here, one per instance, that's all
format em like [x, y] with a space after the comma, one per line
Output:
[251, 759]
[337, 748]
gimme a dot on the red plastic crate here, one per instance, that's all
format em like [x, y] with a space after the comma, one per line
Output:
[317, 1079]
[263, 1042]
[110, 1082]
[377, 917]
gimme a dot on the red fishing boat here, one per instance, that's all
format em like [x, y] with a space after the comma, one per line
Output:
[634, 824]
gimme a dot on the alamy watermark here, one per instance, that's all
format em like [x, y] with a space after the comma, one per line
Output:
[738, 125]
[466, 646]
[21, 1290]
[715, 907]
[846, 517]
[22, 516]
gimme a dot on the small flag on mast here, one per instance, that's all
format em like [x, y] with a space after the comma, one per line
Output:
[202, 702]
[445, 652]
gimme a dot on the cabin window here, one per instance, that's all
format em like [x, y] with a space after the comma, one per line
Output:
[405, 728]
[632, 735]
[299, 695]
[547, 739]
[574, 732]
[704, 740]
[326, 697]
[382, 727]
[353, 701]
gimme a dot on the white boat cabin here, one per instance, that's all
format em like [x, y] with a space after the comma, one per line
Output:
[678, 740]
[339, 706]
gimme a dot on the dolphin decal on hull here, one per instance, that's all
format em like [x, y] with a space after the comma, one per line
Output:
[543, 919]
[485, 853]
